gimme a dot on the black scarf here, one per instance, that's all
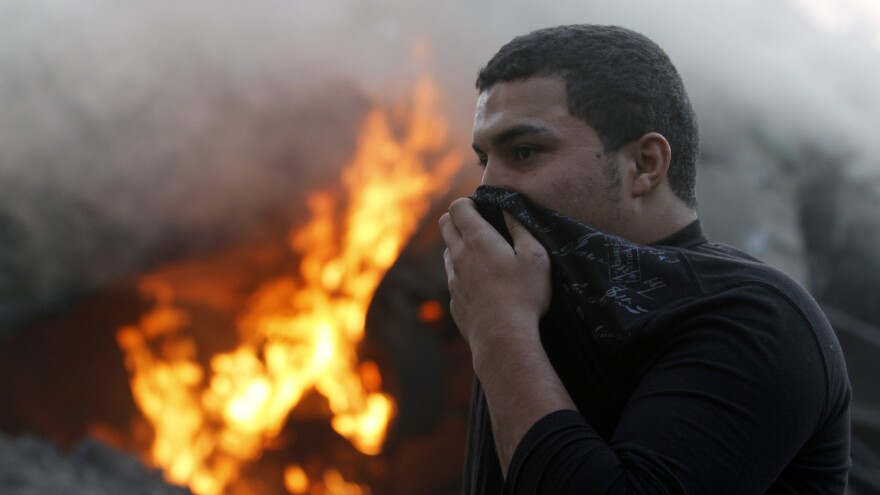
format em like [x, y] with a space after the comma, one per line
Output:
[602, 281]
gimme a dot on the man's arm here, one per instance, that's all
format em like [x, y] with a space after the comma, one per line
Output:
[736, 401]
[499, 293]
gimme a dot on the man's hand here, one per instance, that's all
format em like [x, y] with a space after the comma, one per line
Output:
[499, 294]
[495, 288]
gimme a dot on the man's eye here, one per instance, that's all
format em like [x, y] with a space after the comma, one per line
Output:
[524, 153]
[483, 160]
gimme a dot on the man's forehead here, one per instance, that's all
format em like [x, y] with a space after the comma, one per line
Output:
[535, 102]
[533, 93]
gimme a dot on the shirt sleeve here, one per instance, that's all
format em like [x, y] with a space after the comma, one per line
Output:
[724, 406]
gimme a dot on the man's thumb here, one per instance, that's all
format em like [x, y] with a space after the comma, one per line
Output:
[521, 236]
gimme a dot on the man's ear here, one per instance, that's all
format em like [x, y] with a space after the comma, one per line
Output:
[652, 154]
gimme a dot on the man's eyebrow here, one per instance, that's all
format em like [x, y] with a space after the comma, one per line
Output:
[514, 132]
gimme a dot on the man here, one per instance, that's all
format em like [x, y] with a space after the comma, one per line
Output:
[616, 350]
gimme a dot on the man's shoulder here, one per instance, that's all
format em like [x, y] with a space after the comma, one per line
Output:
[763, 303]
[718, 268]
[714, 268]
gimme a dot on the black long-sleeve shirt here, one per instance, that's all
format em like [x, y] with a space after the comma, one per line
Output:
[694, 368]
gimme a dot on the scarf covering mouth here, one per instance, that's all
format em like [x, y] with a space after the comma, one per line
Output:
[602, 282]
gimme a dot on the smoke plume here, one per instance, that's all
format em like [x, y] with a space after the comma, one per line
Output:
[135, 132]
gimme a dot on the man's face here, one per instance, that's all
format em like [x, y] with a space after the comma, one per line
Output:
[528, 142]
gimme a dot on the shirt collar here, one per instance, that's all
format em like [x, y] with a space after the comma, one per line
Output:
[688, 237]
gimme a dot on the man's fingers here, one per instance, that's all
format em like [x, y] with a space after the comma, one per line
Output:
[449, 232]
[467, 219]
[447, 264]
[525, 245]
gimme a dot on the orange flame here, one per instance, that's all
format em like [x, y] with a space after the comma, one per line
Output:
[331, 482]
[300, 332]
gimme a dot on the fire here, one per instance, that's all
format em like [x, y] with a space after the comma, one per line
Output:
[300, 331]
[331, 482]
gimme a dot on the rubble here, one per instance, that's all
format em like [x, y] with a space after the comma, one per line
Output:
[31, 465]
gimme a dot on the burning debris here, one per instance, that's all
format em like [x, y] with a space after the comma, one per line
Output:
[301, 331]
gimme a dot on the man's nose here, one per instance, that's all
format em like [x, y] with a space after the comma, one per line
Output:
[494, 174]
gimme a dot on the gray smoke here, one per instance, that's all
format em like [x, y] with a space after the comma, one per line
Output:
[137, 132]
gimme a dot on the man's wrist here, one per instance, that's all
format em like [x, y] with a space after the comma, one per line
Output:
[503, 343]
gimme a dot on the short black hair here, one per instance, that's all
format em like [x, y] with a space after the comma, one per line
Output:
[618, 81]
